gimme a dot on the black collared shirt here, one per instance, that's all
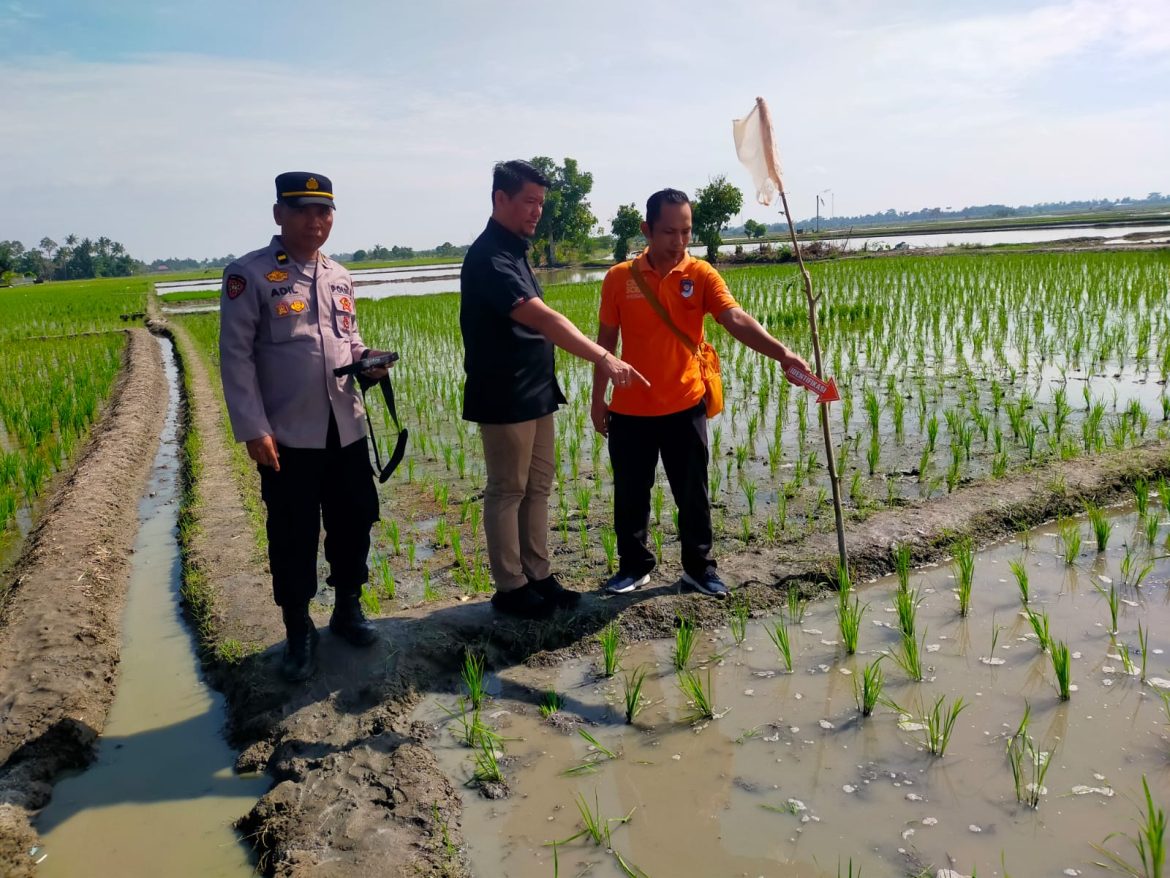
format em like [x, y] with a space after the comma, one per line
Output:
[510, 369]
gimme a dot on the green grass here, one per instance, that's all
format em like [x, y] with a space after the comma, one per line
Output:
[867, 690]
[1062, 668]
[472, 674]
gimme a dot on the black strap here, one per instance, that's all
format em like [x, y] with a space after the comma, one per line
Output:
[384, 472]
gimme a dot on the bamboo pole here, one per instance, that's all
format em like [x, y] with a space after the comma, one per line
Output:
[830, 458]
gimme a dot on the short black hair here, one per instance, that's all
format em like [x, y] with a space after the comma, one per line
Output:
[663, 196]
[510, 177]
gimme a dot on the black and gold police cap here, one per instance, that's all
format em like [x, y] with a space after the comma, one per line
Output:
[298, 188]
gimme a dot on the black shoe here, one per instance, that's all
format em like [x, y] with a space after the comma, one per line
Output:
[708, 583]
[524, 602]
[555, 593]
[349, 622]
[300, 648]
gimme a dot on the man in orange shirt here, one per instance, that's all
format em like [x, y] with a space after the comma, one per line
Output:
[668, 418]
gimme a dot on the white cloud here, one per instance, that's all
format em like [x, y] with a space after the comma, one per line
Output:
[174, 154]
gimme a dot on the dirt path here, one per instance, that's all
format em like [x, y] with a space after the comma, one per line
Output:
[357, 789]
[61, 630]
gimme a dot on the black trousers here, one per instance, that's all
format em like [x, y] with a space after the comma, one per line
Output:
[635, 444]
[333, 483]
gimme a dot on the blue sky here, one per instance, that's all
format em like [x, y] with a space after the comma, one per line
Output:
[162, 125]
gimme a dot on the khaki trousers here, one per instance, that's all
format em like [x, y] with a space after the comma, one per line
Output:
[519, 463]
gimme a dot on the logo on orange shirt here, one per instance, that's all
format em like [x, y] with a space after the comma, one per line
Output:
[687, 288]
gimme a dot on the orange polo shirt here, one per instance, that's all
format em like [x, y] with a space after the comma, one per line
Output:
[690, 291]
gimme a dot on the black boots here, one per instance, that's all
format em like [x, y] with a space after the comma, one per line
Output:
[300, 650]
[349, 623]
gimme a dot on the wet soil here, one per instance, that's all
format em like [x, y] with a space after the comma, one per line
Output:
[59, 635]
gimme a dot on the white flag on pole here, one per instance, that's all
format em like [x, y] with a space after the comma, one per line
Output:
[756, 148]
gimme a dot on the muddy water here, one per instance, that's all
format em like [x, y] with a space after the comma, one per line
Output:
[161, 796]
[787, 780]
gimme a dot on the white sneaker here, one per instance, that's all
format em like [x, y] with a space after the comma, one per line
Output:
[624, 583]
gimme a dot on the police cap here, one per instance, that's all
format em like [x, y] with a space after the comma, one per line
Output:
[298, 188]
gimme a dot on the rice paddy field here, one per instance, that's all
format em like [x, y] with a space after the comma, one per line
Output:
[1005, 713]
[951, 369]
[60, 353]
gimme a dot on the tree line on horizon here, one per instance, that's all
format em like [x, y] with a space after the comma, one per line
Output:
[568, 230]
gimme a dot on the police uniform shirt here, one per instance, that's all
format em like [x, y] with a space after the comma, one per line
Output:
[510, 367]
[282, 332]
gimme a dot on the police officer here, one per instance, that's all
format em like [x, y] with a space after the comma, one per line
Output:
[287, 319]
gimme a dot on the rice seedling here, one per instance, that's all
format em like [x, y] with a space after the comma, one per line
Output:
[1062, 668]
[1149, 842]
[1151, 534]
[632, 692]
[657, 536]
[1133, 571]
[1070, 538]
[550, 704]
[965, 572]
[909, 655]
[1113, 601]
[867, 689]
[370, 602]
[597, 827]
[1028, 763]
[1039, 623]
[472, 674]
[685, 638]
[737, 618]
[598, 753]
[906, 604]
[940, 723]
[849, 621]
[1144, 646]
[902, 565]
[609, 546]
[610, 638]
[487, 763]
[796, 606]
[698, 694]
[778, 634]
[1021, 574]
[429, 591]
[1102, 528]
[1141, 494]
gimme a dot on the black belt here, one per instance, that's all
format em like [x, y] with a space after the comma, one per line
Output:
[356, 369]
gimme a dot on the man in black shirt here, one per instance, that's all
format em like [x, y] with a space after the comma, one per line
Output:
[512, 391]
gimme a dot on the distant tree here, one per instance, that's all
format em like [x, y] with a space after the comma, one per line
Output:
[627, 224]
[567, 218]
[714, 205]
[360, 255]
[48, 247]
[753, 229]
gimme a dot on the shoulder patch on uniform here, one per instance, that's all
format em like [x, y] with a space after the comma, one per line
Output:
[235, 286]
[276, 275]
[281, 257]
